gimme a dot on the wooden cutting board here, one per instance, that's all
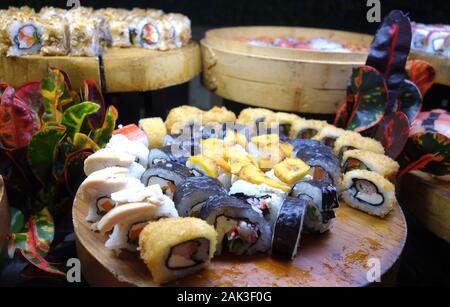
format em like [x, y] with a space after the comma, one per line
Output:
[338, 258]
[4, 214]
[117, 70]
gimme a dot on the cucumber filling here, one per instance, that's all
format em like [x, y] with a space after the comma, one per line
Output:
[238, 234]
[27, 37]
[188, 254]
[366, 192]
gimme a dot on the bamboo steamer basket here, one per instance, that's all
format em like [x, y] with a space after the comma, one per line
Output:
[279, 78]
[4, 214]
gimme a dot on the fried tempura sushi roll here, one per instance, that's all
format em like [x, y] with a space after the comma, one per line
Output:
[5, 42]
[284, 121]
[168, 175]
[353, 140]
[320, 212]
[119, 33]
[218, 115]
[154, 34]
[369, 192]
[84, 37]
[183, 116]
[288, 228]
[176, 247]
[25, 35]
[181, 29]
[55, 36]
[255, 118]
[155, 129]
[127, 222]
[240, 229]
[306, 128]
[328, 135]
[192, 194]
[366, 160]
[108, 157]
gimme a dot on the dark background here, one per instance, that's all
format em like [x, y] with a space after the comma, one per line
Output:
[425, 259]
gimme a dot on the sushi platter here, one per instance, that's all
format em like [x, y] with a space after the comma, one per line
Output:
[286, 79]
[122, 50]
[208, 198]
[4, 214]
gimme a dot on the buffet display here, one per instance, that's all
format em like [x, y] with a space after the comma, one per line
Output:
[431, 39]
[84, 31]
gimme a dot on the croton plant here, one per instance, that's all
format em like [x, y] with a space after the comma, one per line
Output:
[384, 100]
[47, 129]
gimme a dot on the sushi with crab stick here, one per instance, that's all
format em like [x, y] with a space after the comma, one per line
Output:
[26, 36]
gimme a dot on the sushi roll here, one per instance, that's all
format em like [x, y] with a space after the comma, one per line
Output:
[366, 160]
[97, 188]
[47, 12]
[328, 135]
[108, 157]
[155, 129]
[217, 167]
[240, 229]
[306, 128]
[5, 42]
[323, 201]
[127, 222]
[284, 121]
[191, 195]
[218, 115]
[168, 175]
[26, 36]
[353, 140]
[119, 32]
[181, 29]
[138, 194]
[262, 198]
[369, 192]
[84, 36]
[255, 119]
[176, 247]
[121, 143]
[55, 36]
[288, 228]
[133, 133]
[164, 154]
[183, 116]
[154, 34]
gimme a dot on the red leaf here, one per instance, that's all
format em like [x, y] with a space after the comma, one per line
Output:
[393, 132]
[341, 117]
[92, 93]
[16, 121]
[422, 74]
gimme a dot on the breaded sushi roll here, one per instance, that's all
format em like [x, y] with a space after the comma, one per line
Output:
[181, 29]
[192, 194]
[262, 198]
[176, 247]
[353, 140]
[119, 33]
[240, 229]
[288, 228]
[127, 222]
[153, 13]
[323, 201]
[154, 34]
[50, 12]
[108, 157]
[5, 42]
[25, 35]
[306, 128]
[369, 192]
[367, 160]
[84, 37]
[55, 36]
[97, 188]
[255, 118]
[167, 175]
[218, 115]
[121, 143]
[284, 121]
[155, 129]
[328, 135]
[183, 116]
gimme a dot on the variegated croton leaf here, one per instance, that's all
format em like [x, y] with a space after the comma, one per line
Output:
[409, 100]
[392, 132]
[33, 239]
[102, 135]
[422, 74]
[92, 93]
[73, 172]
[56, 96]
[74, 116]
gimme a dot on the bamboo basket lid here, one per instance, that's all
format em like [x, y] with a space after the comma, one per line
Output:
[117, 70]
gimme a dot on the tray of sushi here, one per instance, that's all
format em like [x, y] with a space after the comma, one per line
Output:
[208, 198]
[292, 66]
[93, 43]
[432, 43]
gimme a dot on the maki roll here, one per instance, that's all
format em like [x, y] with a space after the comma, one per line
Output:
[369, 192]
[138, 150]
[366, 160]
[5, 42]
[181, 29]
[84, 36]
[255, 119]
[183, 116]
[55, 36]
[306, 128]
[323, 200]
[191, 195]
[119, 32]
[127, 222]
[353, 140]
[108, 157]
[176, 247]
[168, 175]
[262, 198]
[240, 229]
[97, 188]
[163, 154]
[218, 115]
[284, 121]
[154, 34]
[25, 36]
[288, 228]
[328, 135]
[155, 129]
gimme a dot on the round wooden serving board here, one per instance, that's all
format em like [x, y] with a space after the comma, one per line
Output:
[440, 63]
[285, 79]
[338, 258]
[117, 70]
[4, 214]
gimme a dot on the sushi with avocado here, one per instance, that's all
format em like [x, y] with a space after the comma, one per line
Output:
[306, 128]
[26, 36]
[168, 175]
[367, 160]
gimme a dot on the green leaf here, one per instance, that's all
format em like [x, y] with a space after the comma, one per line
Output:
[73, 173]
[63, 150]
[82, 141]
[41, 152]
[367, 94]
[17, 220]
[74, 116]
[102, 135]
